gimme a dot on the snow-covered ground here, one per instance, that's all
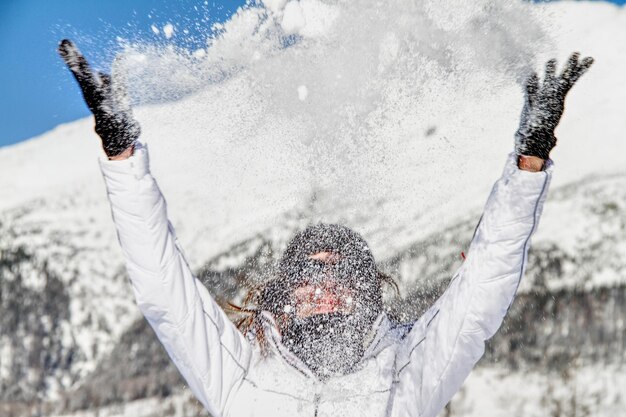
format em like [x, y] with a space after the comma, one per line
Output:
[394, 119]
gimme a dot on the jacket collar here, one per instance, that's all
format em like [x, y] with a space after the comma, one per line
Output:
[375, 341]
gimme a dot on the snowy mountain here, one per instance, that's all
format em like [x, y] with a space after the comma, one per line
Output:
[393, 121]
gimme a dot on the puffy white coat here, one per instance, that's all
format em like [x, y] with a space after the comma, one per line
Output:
[408, 370]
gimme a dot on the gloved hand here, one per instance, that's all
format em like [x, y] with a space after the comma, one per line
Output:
[107, 101]
[544, 106]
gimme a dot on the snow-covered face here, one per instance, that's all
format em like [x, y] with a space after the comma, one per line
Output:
[326, 297]
[329, 320]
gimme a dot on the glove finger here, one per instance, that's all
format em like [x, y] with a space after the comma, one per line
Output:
[571, 66]
[532, 86]
[584, 65]
[550, 69]
[77, 63]
[87, 79]
[106, 80]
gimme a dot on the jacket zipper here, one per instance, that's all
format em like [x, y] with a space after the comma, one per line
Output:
[316, 401]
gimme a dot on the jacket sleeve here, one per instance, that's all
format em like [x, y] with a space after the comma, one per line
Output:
[208, 350]
[453, 332]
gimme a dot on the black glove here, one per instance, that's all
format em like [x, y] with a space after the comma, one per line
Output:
[107, 101]
[544, 106]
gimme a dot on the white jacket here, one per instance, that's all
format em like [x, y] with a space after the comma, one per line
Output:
[408, 370]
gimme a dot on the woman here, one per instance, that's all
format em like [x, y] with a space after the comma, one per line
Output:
[318, 342]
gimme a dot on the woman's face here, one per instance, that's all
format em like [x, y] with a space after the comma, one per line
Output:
[323, 297]
[326, 299]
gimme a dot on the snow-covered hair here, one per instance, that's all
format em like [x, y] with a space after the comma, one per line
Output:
[351, 265]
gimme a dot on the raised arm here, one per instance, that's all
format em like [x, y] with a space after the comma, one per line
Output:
[206, 347]
[108, 102]
[445, 344]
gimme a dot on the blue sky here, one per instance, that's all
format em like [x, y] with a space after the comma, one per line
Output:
[37, 92]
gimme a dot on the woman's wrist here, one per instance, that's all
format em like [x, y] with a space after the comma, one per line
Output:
[127, 153]
[530, 163]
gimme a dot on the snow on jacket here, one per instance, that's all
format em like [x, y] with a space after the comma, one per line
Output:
[407, 370]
